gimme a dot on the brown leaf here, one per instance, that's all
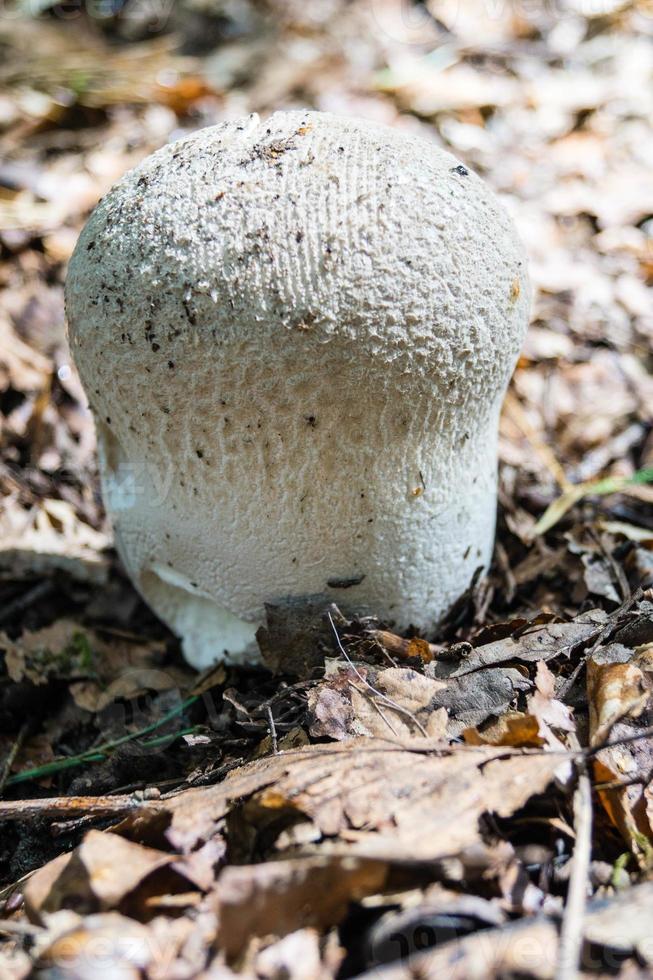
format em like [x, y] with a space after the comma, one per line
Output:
[401, 801]
[115, 667]
[512, 728]
[51, 537]
[34, 751]
[471, 698]
[399, 646]
[541, 643]
[545, 706]
[618, 691]
[395, 702]
[39, 885]
[615, 689]
[295, 957]
[119, 945]
[98, 875]
[280, 897]
[332, 713]
[21, 367]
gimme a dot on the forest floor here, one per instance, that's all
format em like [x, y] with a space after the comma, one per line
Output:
[477, 802]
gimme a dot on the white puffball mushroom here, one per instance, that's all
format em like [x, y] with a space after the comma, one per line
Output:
[295, 336]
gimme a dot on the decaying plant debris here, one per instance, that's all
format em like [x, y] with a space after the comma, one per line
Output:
[474, 802]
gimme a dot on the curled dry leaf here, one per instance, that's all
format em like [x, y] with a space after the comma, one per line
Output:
[399, 646]
[97, 876]
[390, 802]
[512, 728]
[539, 643]
[618, 689]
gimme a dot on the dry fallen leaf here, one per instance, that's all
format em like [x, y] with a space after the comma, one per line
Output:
[539, 643]
[97, 876]
[403, 801]
[108, 941]
[52, 537]
[618, 691]
[295, 957]
[279, 897]
[395, 702]
[102, 670]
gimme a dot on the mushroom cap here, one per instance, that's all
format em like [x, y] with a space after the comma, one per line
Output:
[295, 335]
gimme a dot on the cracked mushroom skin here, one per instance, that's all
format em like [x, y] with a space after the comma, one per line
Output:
[295, 336]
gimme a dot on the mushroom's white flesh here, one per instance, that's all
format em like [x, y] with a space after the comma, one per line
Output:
[295, 336]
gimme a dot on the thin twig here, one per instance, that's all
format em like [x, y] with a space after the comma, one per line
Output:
[386, 700]
[375, 705]
[14, 928]
[27, 599]
[11, 755]
[571, 933]
[516, 412]
[71, 806]
[273, 730]
[622, 740]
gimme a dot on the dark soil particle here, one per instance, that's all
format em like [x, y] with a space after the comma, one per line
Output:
[344, 583]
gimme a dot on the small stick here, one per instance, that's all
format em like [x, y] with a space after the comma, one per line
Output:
[11, 755]
[13, 928]
[24, 601]
[71, 806]
[273, 730]
[374, 704]
[401, 647]
[571, 933]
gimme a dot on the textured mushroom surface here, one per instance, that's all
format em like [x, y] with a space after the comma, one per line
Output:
[295, 335]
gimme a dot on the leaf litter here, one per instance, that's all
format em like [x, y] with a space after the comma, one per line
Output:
[367, 803]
